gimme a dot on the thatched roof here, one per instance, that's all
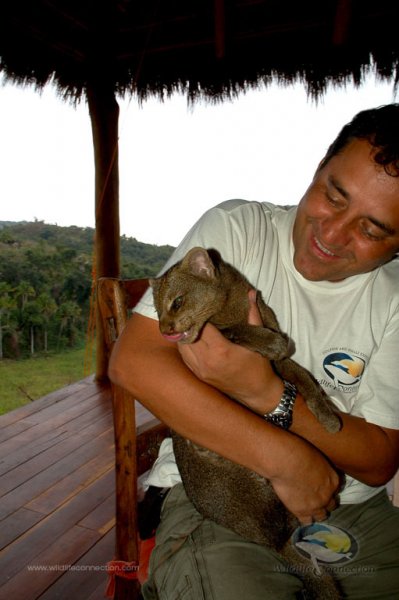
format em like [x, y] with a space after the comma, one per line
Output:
[210, 48]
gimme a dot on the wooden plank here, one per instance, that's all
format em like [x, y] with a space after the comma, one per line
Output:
[85, 584]
[54, 397]
[73, 483]
[62, 415]
[29, 443]
[49, 565]
[29, 450]
[17, 524]
[9, 431]
[26, 548]
[102, 519]
[75, 402]
[23, 451]
[84, 432]
[58, 462]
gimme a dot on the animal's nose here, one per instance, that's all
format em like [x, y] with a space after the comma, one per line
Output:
[167, 326]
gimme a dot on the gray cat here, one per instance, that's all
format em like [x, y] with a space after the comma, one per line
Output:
[203, 288]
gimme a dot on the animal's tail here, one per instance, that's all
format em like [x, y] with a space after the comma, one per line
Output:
[319, 584]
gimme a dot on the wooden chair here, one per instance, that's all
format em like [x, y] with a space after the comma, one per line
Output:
[138, 435]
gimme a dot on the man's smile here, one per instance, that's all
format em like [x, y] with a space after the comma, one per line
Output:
[323, 250]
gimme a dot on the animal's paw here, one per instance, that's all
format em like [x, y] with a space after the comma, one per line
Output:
[331, 421]
[323, 409]
[278, 347]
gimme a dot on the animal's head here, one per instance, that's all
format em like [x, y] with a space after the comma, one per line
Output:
[187, 296]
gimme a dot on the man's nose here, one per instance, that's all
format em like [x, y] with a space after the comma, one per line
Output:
[336, 231]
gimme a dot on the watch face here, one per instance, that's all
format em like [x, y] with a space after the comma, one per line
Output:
[287, 420]
[282, 419]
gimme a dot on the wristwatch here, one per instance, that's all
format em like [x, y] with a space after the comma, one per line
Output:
[282, 414]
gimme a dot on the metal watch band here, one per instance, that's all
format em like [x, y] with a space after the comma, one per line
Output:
[282, 414]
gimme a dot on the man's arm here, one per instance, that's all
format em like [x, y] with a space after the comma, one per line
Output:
[365, 451]
[152, 369]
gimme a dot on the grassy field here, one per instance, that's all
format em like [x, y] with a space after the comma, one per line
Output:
[23, 381]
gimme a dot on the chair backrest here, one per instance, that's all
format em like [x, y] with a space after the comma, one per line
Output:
[115, 298]
[138, 433]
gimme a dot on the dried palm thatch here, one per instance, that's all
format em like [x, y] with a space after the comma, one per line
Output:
[209, 49]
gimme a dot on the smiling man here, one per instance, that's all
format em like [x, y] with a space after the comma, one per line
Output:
[330, 271]
[348, 221]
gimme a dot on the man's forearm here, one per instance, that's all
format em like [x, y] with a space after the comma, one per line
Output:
[363, 450]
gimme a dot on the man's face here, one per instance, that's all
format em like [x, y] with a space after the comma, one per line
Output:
[348, 220]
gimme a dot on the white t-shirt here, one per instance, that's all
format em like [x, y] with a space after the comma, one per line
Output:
[345, 333]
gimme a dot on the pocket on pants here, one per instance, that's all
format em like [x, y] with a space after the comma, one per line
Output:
[179, 518]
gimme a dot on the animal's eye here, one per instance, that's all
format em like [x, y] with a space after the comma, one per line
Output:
[177, 302]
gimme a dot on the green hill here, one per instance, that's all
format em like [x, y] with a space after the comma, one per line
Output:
[46, 280]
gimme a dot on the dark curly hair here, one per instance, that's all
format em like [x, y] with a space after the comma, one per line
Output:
[380, 127]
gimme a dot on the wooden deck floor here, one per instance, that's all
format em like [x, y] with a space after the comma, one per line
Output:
[57, 495]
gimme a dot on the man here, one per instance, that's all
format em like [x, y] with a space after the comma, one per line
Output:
[329, 270]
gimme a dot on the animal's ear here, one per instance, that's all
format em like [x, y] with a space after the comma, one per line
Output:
[198, 262]
[154, 283]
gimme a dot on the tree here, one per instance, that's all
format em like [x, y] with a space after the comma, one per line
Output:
[69, 312]
[24, 291]
[32, 319]
[47, 307]
[7, 304]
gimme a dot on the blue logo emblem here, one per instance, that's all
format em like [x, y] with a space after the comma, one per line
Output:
[344, 368]
[326, 544]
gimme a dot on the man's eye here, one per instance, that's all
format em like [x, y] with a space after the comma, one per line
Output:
[372, 233]
[334, 201]
[372, 236]
[177, 302]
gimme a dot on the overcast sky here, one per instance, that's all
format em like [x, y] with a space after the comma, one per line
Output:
[175, 162]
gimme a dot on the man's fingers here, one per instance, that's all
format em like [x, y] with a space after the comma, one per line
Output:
[319, 515]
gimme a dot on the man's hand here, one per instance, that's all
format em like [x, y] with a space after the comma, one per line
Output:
[234, 370]
[305, 482]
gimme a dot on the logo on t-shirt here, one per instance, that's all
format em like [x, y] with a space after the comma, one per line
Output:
[324, 543]
[344, 368]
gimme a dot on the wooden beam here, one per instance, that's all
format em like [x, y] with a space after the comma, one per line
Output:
[104, 115]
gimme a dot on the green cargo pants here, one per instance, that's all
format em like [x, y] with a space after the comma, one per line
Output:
[196, 559]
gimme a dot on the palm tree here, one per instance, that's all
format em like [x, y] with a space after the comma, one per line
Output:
[48, 308]
[33, 319]
[69, 312]
[24, 291]
[7, 304]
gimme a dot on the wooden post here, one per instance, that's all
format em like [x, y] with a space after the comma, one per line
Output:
[104, 115]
